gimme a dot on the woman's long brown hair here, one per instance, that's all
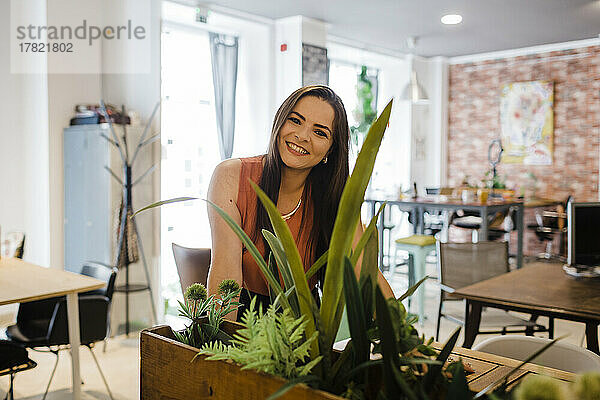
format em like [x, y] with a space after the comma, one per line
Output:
[325, 182]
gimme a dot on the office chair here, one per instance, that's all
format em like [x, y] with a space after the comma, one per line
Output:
[463, 264]
[43, 323]
[13, 359]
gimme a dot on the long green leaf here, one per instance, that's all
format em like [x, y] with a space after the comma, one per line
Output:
[282, 231]
[280, 257]
[411, 290]
[284, 270]
[401, 383]
[435, 372]
[345, 224]
[389, 350]
[273, 269]
[370, 260]
[356, 315]
[245, 239]
[371, 228]
[367, 290]
[321, 261]
[459, 388]
[163, 202]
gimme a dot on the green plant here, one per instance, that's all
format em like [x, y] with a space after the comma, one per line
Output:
[539, 387]
[364, 112]
[271, 342]
[494, 181]
[197, 307]
[587, 386]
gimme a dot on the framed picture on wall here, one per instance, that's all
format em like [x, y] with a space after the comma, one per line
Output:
[315, 65]
[527, 122]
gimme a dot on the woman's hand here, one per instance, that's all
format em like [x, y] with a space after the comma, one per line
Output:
[226, 255]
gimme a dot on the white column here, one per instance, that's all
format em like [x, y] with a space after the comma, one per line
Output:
[429, 123]
[290, 33]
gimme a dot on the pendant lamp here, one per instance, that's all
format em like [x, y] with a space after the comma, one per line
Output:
[414, 91]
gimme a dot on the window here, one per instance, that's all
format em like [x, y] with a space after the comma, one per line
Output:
[190, 146]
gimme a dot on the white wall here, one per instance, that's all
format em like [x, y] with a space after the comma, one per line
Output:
[64, 91]
[288, 63]
[24, 161]
[139, 92]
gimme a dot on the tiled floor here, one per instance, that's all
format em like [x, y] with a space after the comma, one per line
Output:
[120, 362]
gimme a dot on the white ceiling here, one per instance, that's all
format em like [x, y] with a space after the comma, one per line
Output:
[488, 25]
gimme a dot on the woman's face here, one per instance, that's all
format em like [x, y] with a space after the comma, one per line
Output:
[306, 136]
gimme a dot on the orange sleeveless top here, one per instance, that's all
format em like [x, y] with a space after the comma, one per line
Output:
[252, 276]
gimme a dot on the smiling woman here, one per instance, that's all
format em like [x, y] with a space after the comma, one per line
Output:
[303, 172]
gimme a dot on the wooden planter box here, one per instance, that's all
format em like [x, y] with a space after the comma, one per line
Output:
[168, 373]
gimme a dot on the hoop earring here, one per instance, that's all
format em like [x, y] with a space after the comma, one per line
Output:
[325, 160]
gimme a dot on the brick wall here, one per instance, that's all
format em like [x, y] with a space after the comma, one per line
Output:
[474, 120]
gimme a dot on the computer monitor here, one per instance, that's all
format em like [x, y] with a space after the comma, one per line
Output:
[583, 233]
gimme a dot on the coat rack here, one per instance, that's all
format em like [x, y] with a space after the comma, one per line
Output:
[128, 235]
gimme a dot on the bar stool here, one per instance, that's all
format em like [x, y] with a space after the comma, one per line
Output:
[417, 246]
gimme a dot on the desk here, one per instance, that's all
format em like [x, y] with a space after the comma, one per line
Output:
[22, 282]
[487, 368]
[543, 289]
[420, 205]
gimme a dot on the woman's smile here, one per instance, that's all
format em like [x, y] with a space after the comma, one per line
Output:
[295, 149]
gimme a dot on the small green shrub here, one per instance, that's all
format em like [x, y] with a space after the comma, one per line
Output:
[271, 342]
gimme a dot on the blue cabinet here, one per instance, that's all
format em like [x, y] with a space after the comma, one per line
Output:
[87, 196]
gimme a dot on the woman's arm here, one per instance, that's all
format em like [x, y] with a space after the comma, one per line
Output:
[381, 281]
[226, 254]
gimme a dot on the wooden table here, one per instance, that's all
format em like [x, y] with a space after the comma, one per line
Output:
[422, 204]
[540, 288]
[21, 282]
[488, 368]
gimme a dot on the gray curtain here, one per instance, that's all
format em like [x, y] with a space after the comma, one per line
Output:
[224, 54]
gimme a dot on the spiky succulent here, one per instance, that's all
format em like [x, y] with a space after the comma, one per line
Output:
[195, 292]
[228, 286]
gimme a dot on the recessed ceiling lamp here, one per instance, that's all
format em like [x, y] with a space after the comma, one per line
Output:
[451, 19]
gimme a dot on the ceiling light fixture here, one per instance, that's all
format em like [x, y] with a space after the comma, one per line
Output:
[413, 91]
[451, 19]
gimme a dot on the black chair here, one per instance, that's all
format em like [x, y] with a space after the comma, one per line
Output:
[548, 225]
[20, 251]
[463, 264]
[43, 323]
[13, 359]
[496, 224]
